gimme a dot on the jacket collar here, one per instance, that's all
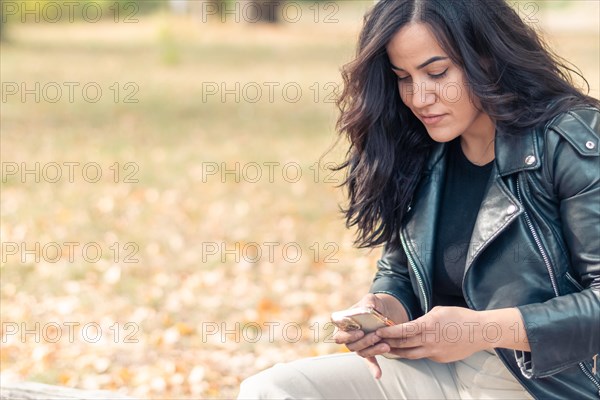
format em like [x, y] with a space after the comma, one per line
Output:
[513, 152]
[516, 151]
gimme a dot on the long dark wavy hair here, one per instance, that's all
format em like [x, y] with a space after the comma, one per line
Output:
[517, 79]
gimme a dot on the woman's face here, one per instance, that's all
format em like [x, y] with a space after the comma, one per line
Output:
[433, 87]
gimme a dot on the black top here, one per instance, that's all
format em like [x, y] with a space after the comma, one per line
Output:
[464, 186]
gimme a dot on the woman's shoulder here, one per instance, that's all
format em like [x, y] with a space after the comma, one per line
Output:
[570, 150]
[578, 126]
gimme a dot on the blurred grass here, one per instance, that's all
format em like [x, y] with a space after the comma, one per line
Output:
[171, 292]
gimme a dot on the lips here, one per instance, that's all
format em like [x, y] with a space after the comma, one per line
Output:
[432, 119]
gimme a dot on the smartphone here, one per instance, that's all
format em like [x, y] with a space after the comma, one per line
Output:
[366, 319]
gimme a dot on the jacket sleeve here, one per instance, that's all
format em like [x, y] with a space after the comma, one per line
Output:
[566, 329]
[393, 278]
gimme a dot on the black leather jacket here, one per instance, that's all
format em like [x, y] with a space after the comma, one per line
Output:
[535, 246]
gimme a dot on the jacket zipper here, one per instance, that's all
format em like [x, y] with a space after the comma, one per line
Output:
[590, 376]
[416, 271]
[538, 243]
[551, 273]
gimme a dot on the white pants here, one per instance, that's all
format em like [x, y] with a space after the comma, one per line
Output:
[346, 376]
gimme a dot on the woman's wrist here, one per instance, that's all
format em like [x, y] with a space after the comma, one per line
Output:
[503, 328]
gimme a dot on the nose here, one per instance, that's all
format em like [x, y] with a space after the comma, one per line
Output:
[423, 94]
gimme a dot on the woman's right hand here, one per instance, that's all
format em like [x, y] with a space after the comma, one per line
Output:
[357, 341]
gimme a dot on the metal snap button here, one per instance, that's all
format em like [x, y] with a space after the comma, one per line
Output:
[529, 160]
[590, 145]
[511, 209]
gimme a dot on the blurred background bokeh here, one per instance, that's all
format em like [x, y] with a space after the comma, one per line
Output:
[168, 226]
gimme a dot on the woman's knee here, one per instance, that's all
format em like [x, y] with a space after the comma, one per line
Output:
[329, 376]
[273, 383]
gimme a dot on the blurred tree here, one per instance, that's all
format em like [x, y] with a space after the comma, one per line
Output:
[59, 11]
[261, 11]
[139, 6]
[2, 20]
[249, 11]
[230, 11]
[65, 11]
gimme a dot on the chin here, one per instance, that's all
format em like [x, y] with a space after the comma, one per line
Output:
[441, 136]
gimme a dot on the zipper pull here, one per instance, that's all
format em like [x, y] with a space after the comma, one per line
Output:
[595, 358]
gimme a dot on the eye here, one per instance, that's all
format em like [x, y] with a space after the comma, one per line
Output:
[440, 75]
[403, 78]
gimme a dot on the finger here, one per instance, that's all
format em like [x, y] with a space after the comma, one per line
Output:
[400, 331]
[367, 341]
[412, 353]
[374, 367]
[411, 341]
[369, 300]
[343, 337]
[378, 349]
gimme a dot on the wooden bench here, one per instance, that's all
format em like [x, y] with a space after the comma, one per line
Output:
[40, 391]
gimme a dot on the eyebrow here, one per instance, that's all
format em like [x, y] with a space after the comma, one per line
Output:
[426, 63]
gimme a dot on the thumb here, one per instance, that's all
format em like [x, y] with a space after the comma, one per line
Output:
[370, 300]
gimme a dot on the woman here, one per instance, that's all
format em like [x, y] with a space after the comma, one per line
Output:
[475, 162]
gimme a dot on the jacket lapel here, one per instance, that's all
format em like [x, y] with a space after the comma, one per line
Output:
[514, 152]
[498, 209]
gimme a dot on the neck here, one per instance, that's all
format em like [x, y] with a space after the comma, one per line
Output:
[478, 143]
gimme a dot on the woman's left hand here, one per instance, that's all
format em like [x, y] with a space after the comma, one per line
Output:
[444, 334]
